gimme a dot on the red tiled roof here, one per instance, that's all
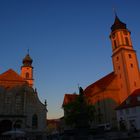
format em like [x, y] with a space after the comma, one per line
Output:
[10, 79]
[69, 98]
[101, 83]
[131, 101]
[11, 75]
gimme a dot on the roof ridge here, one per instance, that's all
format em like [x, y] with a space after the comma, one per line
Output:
[10, 74]
[103, 82]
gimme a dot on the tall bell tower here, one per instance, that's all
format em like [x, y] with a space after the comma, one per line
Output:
[124, 59]
[27, 70]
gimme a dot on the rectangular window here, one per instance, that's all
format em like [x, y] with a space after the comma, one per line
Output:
[129, 55]
[131, 65]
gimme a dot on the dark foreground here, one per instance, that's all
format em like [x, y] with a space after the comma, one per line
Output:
[72, 135]
[112, 135]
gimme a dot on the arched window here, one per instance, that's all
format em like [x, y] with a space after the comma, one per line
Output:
[117, 58]
[131, 65]
[18, 124]
[18, 103]
[115, 44]
[127, 41]
[34, 121]
[27, 75]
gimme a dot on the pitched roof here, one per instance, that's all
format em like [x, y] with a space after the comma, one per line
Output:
[69, 98]
[11, 75]
[131, 101]
[101, 83]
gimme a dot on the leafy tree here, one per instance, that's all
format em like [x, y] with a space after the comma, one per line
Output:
[79, 113]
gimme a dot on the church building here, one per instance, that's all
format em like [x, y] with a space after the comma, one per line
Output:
[111, 90]
[20, 107]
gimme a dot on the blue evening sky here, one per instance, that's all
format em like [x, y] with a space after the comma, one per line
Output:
[68, 41]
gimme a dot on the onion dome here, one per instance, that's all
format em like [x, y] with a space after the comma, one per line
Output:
[27, 61]
[118, 24]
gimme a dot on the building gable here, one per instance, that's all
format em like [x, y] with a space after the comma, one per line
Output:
[69, 98]
[10, 78]
[10, 75]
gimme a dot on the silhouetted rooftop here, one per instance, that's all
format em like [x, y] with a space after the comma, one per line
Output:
[27, 61]
[118, 24]
[69, 98]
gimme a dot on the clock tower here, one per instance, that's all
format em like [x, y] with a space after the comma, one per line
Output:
[124, 59]
[27, 70]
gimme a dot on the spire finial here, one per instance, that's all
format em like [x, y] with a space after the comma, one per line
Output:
[28, 51]
[114, 11]
[35, 90]
[45, 102]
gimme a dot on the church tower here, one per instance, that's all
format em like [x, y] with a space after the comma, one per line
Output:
[27, 70]
[124, 59]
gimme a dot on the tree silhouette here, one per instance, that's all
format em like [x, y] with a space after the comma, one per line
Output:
[79, 113]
